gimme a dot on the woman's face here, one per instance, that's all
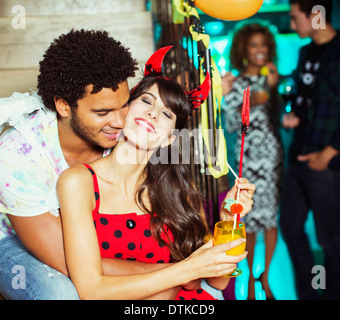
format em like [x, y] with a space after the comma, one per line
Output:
[257, 50]
[149, 122]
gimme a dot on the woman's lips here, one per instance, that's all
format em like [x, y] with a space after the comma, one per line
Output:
[144, 124]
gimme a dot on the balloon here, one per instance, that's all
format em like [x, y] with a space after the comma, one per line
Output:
[229, 9]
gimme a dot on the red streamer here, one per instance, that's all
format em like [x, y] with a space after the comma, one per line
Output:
[245, 125]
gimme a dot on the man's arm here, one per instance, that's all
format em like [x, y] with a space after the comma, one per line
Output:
[42, 236]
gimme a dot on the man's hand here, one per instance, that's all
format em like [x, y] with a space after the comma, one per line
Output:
[193, 285]
[319, 161]
[290, 120]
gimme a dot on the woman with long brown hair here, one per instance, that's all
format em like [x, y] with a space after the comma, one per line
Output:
[136, 204]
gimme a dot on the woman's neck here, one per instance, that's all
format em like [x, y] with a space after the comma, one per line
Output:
[252, 70]
[125, 164]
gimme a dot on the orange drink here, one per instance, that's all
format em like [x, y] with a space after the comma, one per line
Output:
[224, 232]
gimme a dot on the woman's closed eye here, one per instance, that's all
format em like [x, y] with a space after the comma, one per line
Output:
[147, 100]
[167, 114]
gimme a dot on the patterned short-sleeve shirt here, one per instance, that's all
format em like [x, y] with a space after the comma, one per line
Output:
[31, 159]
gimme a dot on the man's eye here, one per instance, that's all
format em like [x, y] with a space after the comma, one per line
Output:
[102, 114]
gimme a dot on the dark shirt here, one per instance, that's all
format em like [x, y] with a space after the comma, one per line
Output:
[318, 100]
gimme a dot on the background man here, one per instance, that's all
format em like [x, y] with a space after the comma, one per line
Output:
[312, 179]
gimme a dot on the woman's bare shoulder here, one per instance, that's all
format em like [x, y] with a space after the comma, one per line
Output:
[77, 174]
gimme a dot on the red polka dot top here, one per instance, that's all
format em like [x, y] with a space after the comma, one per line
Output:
[128, 236]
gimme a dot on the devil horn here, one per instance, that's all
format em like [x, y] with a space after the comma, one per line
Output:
[198, 95]
[154, 64]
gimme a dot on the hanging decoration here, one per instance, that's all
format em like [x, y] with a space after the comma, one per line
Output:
[229, 9]
[217, 167]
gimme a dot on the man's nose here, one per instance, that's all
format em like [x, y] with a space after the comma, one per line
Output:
[117, 120]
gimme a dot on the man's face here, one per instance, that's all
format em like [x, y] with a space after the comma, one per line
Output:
[100, 117]
[300, 23]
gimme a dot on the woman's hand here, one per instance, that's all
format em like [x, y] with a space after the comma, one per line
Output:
[211, 261]
[227, 83]
[246, 194]
[273, 75]
[258, 98]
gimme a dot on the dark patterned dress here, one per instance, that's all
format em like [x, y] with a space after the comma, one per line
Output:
[263, 153]
[128, 236]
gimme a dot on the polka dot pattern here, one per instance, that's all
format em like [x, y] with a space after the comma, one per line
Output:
[118, 234]
[128, 236]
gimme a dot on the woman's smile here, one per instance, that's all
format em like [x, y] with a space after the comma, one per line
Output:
[144, 124]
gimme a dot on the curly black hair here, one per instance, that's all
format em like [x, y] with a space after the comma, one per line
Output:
[80, 58]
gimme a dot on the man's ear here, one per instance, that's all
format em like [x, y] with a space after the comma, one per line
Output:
[62, 107]
[168, 141]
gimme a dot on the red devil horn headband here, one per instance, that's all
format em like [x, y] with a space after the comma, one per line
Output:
[198, 95]
[154, 67]
[154, 64]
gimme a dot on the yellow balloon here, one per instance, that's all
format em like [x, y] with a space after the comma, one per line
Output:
[229, 9]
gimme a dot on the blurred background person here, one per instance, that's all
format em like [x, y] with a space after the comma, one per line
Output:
[253, 53]
[313, 174]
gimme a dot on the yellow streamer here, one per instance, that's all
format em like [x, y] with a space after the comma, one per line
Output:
[183, 8]
[220, 167]
[178, 12]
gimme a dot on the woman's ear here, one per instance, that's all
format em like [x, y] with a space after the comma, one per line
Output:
[168, 141]
[62, 107]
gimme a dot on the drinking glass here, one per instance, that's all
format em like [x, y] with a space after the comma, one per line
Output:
[224, 232]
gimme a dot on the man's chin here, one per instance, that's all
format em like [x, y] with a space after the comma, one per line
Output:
[109, 145]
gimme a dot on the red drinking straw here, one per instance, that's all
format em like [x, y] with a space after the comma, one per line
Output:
[245, 126]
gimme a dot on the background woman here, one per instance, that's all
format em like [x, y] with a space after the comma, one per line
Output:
[252, 53]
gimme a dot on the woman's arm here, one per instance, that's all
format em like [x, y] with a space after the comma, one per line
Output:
[83, 258]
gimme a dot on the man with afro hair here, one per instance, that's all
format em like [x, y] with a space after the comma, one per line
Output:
[75, 117]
